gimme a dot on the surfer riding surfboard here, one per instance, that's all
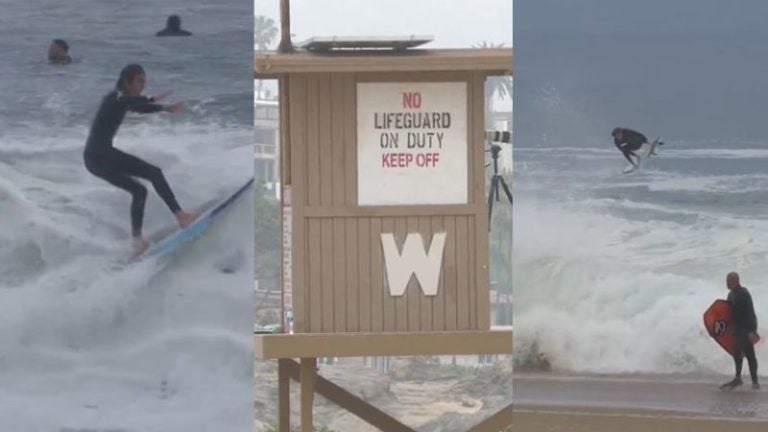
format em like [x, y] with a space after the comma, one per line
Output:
[633, 144]
[121, 169]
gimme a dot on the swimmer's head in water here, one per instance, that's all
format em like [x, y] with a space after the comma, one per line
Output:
[132, 80]
[173, 22]
[57, 52]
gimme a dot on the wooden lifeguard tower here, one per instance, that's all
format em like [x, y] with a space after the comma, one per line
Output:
[385, 223]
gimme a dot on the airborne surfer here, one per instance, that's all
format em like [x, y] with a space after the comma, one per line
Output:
[628, 141]
[121, 169]
[745, 330]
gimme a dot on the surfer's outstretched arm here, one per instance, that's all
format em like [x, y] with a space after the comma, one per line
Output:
[140, 104]
[146, 105]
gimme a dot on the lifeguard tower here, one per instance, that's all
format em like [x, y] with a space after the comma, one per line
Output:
[385, 222]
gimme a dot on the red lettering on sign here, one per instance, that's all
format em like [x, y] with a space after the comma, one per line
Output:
[405, 160]
[412, 100]
[426, 160]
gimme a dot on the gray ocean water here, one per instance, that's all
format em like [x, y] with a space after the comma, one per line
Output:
[614, 271]
[92, 344]
[210, 71]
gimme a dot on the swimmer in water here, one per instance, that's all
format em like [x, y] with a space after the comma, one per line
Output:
[120, 169]
[58, 52]
[173, 28]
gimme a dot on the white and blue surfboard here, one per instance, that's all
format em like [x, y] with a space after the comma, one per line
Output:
[196, 229]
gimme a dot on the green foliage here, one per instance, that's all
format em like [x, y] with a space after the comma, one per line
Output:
[267, 238]
[501, 252]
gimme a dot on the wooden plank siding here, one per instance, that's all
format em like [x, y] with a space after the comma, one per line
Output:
[338, 269]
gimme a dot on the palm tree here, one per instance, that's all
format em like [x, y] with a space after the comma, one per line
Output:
[264, 34]
[495, 86]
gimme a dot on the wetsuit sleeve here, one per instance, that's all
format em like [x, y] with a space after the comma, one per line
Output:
[140, 104]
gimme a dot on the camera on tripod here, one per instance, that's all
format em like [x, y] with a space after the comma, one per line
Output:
[496, 178]
[498, 136]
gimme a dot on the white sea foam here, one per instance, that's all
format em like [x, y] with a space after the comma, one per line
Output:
[96, 344]
[596, 292]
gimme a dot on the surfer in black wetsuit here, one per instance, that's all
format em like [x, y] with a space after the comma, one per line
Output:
[119, 168]
[745, 330]
[173, 28]
[628, 141]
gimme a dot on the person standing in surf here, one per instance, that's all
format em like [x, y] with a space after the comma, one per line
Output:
[628, 141]
[745, 330]
[121, 169]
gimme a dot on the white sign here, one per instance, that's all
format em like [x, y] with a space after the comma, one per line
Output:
[412, 143]
[426, 265]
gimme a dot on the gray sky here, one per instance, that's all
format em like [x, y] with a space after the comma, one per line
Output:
[682, 69]
[453, 23]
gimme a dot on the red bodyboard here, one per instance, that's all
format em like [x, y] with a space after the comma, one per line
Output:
[718, 321]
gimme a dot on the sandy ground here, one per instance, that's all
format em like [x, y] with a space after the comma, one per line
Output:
[620, 403]
[421, 395]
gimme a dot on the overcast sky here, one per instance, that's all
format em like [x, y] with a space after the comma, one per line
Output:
[679, 69]
[453, 23]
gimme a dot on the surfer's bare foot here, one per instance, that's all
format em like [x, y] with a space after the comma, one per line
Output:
[140, 244]
[185, 219]
[755, 386]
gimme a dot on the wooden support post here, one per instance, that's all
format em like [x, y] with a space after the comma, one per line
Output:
[307, 376]
[284, 395]
[350, 402]
[498, 422]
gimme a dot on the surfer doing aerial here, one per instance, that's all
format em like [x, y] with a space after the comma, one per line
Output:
[121, 169]
[628, 142]
[745, 330]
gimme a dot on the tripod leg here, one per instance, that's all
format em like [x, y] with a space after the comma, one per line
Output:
[506, 191]
[493, 186]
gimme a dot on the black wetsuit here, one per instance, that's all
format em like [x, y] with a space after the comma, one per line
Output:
[173, 32]
[744, 323]
[629, 142]
[119, 168]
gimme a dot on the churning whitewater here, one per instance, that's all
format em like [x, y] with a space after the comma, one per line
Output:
[613, 272]
[87, 343]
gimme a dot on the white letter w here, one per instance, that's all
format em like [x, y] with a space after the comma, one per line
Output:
[413, 259]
